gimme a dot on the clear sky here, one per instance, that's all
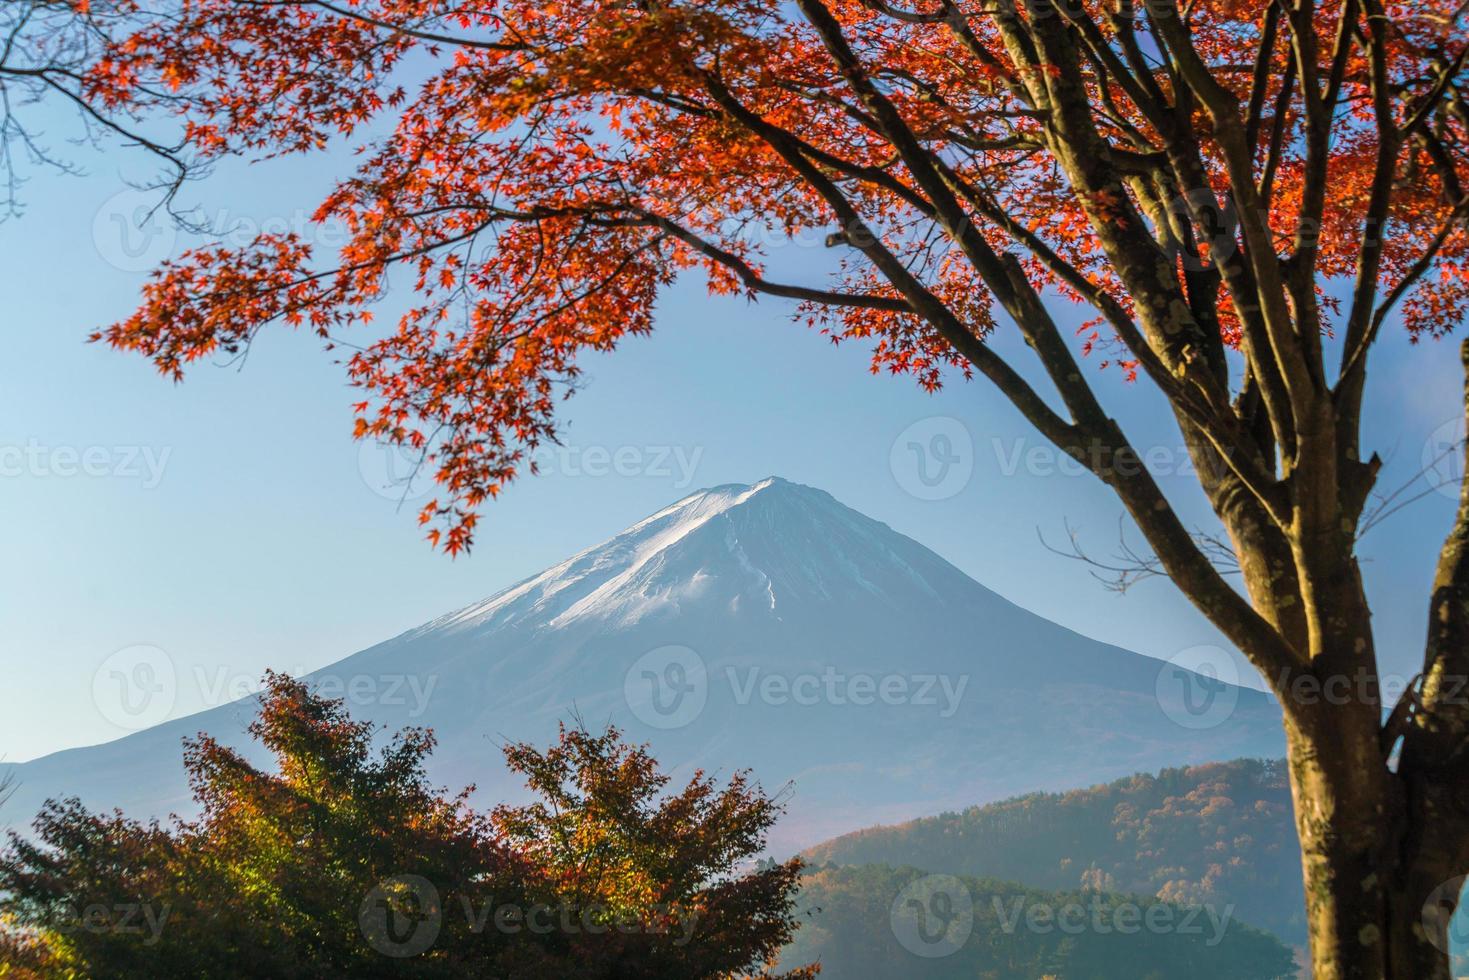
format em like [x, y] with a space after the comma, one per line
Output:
[234, 524]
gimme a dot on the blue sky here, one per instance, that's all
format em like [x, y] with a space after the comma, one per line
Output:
[232, 522]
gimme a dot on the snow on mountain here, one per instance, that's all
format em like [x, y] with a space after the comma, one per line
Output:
[765, 627]
[805, 545]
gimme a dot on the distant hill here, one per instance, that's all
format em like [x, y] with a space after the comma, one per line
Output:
[876, 923]
[1220, 834]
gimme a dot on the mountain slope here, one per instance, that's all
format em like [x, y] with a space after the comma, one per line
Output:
[764, 626]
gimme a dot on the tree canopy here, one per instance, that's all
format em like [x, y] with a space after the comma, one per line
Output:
[559, 165]
[346, 862]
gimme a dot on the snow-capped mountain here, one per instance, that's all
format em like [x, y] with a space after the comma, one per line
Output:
[766, 627]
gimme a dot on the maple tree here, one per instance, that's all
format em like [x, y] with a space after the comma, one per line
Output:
[1242, 193]
[338, 861]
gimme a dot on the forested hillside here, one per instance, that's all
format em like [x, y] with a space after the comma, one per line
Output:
[1218, 834]
[875, 923]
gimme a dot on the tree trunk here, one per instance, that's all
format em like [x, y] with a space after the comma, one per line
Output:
[1380, 852]
[1342, 821]
[1431, 856]
[1420, 907]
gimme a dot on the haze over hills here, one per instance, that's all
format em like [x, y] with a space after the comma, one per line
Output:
[764, 626]
[875, 922]
[1220, 835]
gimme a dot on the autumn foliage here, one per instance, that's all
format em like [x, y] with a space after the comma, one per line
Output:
[337, 862]
[559, 164]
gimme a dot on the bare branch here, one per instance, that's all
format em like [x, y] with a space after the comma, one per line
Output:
[1128, 566]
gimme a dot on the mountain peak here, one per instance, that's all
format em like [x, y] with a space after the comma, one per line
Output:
[810, 643]
[737, 545]
[735, 494]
